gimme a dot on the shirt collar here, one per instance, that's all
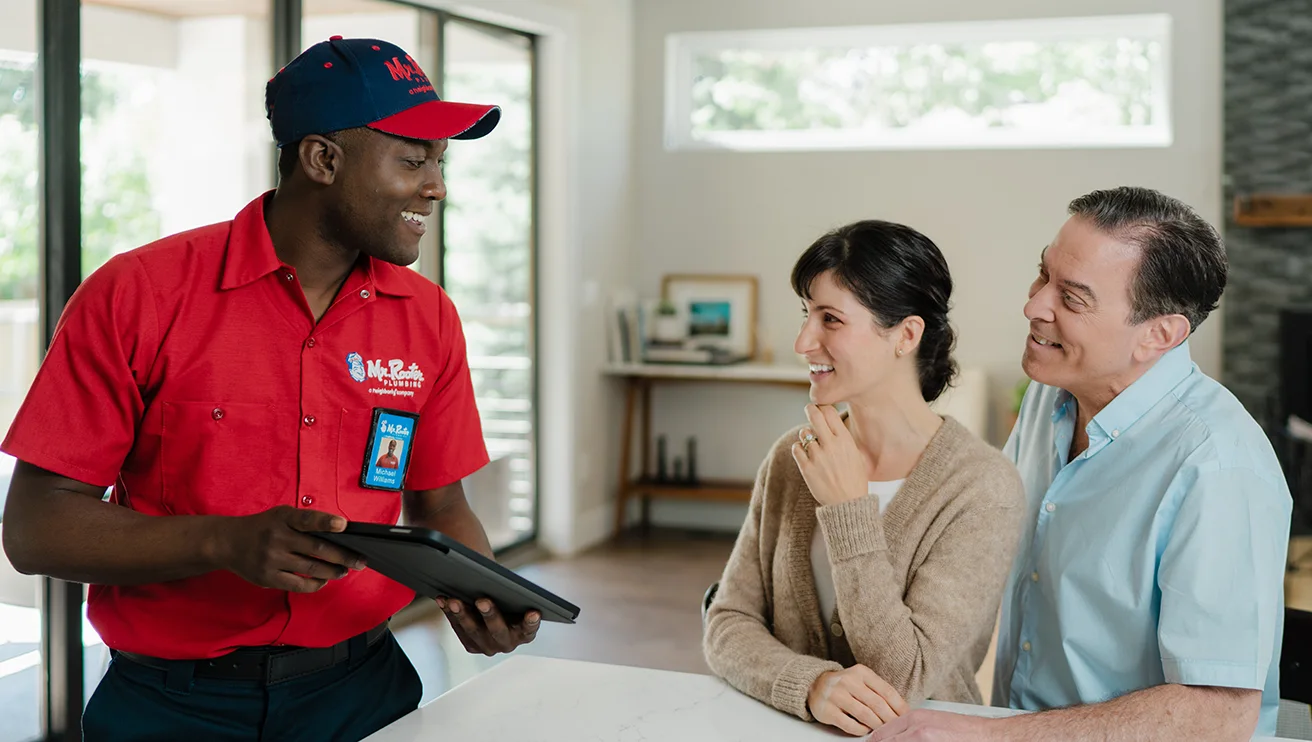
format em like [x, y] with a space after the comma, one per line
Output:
[1060, 404]
[250, 255]
[390, 279]
[1132, 403]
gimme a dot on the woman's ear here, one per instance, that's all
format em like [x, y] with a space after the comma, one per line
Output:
[909, 331]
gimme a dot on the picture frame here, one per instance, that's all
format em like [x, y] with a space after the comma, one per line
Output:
[718, 311]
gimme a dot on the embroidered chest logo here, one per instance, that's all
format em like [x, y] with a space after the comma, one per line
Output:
[391, 378]
[355, 364]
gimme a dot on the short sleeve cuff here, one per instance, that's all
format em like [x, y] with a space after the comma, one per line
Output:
[17, 446]
[1217, 674]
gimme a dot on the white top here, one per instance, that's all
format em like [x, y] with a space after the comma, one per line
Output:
[824, 576]
[555, 700]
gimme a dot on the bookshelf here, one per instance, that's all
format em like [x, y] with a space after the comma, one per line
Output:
[639, 378]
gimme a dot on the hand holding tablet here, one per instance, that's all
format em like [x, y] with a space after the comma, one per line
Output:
[437, 566]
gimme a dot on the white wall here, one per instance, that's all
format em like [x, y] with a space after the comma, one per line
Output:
[990, 211]
[213, 120]
[18, 25]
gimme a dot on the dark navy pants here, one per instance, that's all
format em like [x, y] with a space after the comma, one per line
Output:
[344, 703]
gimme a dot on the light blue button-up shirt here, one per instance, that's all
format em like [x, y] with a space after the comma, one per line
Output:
[1156, 556]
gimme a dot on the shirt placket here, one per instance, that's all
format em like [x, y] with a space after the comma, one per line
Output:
[1026, 637]
[321, 418]
[318, 468]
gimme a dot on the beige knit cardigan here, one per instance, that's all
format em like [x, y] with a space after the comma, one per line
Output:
[918, 588]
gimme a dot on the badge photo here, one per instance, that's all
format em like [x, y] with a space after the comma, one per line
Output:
[387, 455]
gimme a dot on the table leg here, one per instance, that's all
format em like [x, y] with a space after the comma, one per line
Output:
[646, 452]
[626, 443]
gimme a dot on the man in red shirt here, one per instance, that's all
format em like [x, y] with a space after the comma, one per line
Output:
[294, 325]
[389, 460]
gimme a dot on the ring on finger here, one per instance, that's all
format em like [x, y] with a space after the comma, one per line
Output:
[807, 440]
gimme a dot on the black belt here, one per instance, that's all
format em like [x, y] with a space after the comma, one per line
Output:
[268, 665]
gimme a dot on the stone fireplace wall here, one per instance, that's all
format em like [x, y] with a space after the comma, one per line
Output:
[1268, 148]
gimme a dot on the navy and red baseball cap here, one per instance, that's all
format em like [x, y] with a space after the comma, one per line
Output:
[347, 83]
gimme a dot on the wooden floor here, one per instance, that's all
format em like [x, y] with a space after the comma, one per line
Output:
[640, 604]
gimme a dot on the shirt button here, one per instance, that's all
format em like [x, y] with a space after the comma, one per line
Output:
[308, 419]
[217, 414]
[310, 342]
[1050, 507]
[364, 293]
[306, 500]
[1034, 576]
[836, 628]
[1115, 433]
[1025, 646]
[288, 275]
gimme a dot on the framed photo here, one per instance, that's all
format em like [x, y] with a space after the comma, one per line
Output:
[719, 311]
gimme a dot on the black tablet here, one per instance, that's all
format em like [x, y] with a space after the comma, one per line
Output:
[433, 564]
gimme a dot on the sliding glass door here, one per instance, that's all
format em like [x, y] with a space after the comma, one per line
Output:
[483, 253]
[20, 339]
[488, 249]
[168, 133]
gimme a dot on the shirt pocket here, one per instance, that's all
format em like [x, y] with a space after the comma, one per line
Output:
[353, 501]
[223, 459]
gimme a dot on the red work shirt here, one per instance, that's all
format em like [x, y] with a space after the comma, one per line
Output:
[190, 375]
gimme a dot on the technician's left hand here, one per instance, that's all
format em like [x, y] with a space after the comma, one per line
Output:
[483, 630]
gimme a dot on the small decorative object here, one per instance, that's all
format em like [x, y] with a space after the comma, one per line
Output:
[660, 459]
[678, 469]
[666, 325]
[692, 460]
[720, 311]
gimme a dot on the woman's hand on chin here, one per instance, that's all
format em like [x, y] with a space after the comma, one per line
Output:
[828, 458]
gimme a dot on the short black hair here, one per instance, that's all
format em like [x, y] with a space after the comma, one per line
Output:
[1182, 265]
[895, 272]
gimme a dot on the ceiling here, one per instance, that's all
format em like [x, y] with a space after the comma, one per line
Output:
[253, 8]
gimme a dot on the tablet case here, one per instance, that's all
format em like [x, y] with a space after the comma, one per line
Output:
[433, 564]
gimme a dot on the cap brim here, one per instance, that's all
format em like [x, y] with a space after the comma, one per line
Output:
[441, 119]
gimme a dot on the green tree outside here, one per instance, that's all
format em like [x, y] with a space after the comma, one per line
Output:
[896, 87]
[116, 203]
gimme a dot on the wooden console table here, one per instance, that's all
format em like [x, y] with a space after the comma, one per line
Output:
[639, 379]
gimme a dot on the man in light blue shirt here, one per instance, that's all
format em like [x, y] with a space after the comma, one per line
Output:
[1146, 601]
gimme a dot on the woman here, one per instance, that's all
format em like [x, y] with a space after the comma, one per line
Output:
[872, 561]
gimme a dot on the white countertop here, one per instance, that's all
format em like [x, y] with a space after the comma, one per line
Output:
[545, 699]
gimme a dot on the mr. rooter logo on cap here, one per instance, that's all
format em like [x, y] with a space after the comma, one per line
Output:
[343, 83]
[410, 72]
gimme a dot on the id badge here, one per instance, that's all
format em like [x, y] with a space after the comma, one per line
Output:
[387, 454]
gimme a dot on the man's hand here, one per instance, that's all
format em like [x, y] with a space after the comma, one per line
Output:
[484, 631]
[275, 549]
[923, 725]
[830, 462]
[855, 700]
